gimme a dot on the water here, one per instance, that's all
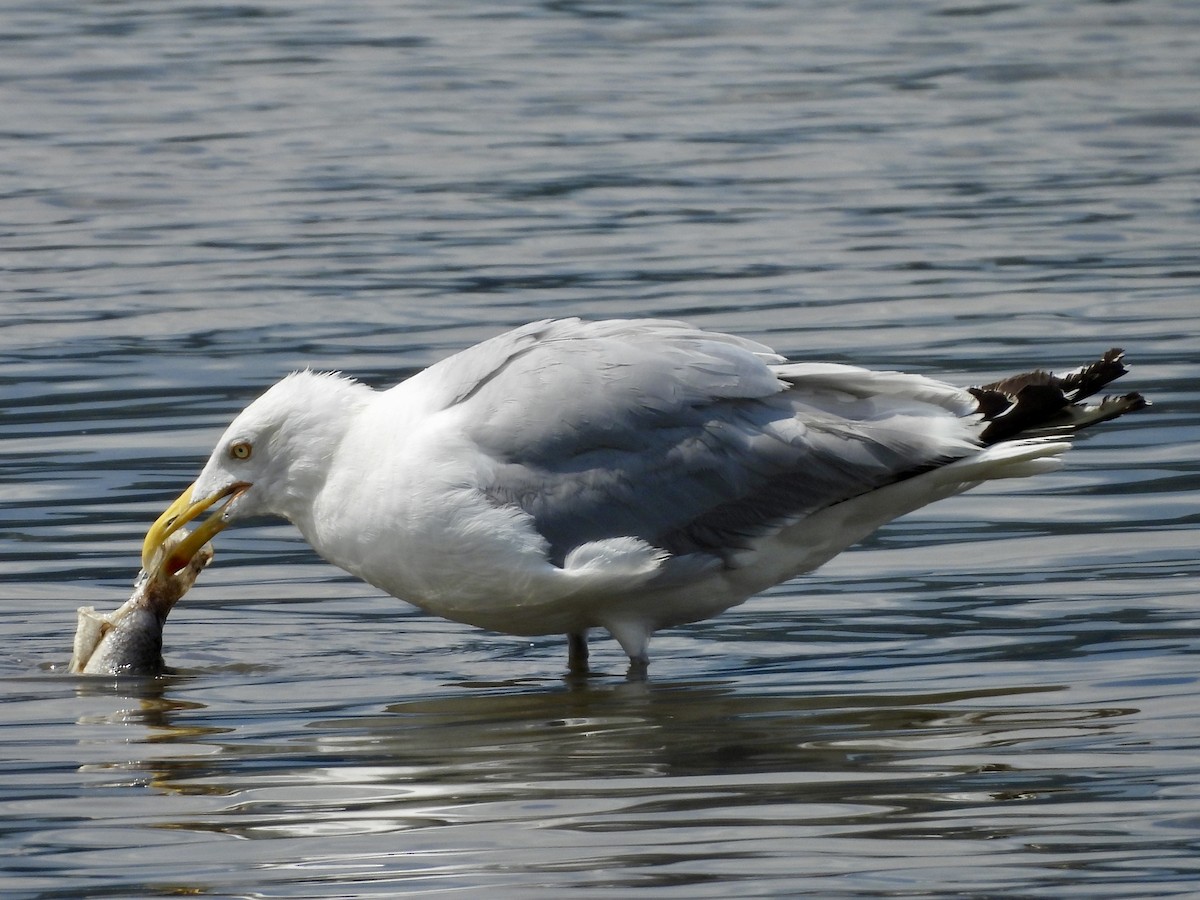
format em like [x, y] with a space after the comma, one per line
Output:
[994, 697]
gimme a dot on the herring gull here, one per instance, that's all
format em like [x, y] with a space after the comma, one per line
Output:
[628, 475]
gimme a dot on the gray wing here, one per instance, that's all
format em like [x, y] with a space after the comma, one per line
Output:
[694, 442]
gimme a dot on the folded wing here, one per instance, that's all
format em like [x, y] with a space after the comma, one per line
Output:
[695, 443]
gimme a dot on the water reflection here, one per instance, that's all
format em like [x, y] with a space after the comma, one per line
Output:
[449, 787]
[424, 762]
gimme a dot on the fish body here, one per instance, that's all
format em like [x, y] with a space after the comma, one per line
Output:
[128, 641]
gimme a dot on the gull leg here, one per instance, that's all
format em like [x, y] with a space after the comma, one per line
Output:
[577, 653]
[634, 637]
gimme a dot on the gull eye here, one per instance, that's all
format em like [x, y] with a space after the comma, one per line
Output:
[240, 450]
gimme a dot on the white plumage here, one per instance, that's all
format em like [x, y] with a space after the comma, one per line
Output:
[625, 475]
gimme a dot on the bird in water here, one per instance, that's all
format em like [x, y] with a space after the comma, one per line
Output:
[626, 475]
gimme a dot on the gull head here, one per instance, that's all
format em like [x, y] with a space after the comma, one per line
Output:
[271, 460]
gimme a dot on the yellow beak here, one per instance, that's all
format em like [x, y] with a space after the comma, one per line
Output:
[178, 514]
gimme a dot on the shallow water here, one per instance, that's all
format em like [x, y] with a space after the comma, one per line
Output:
[993, 697]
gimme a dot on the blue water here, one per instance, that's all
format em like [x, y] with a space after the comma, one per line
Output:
[996, 696]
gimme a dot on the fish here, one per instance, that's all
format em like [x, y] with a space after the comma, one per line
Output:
[128, 641]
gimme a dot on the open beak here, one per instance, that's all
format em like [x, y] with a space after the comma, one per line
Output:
[178, 514]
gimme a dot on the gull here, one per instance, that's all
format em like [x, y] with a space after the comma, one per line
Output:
[625, 475]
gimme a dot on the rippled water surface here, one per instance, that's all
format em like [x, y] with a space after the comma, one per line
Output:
[994, 697]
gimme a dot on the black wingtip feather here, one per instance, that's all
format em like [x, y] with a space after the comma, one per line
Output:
[1041, 400]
